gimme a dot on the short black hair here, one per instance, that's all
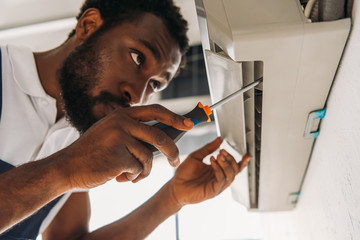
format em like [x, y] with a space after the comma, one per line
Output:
[114, 12]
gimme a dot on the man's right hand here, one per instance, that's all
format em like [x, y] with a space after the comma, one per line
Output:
[111, 148]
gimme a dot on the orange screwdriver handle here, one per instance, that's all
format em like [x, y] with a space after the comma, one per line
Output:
[198, 115]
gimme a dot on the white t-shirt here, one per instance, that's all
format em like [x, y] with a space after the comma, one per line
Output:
[28, 130]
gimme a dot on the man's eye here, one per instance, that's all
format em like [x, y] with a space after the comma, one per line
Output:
[137, 58]
[156, 86]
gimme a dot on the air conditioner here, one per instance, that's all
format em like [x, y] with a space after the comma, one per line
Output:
[277, 122]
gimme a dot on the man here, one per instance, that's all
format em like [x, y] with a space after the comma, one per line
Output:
[119, 54]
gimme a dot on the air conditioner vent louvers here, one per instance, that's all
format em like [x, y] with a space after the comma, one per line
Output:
[258, 103]
[252, 71]
[246, 97]
[258, 111]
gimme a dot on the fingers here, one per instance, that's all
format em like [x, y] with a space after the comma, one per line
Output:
[160, 114]
[155, 136]
[219, 175]
[226, 162]
[158, 139]
[227, 168]
[117, 138]
[142, 155]
[207, 149]
[132, 167]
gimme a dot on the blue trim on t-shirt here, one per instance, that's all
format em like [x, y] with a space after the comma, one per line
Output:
[4, 166]
[28, 228]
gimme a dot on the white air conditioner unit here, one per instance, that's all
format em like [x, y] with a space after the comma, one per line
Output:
[245, 40]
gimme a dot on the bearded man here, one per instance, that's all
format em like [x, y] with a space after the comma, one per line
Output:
[97, 82]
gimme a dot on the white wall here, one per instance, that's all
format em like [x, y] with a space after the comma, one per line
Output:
[45, 24]
[329, 205]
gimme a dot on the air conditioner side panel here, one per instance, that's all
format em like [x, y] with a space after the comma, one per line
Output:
[285, 152]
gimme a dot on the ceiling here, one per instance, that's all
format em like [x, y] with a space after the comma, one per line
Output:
[57, 17]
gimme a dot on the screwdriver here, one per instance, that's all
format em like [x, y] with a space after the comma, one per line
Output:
[198, 115]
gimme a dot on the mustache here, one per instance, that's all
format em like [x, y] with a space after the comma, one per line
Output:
[106, 97]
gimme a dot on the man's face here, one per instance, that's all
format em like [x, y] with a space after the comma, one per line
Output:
[121, 67]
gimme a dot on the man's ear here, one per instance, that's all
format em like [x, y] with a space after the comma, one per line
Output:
[88, 23]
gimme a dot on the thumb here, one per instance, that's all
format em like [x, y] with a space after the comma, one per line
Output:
[244, 162]
[207, 149]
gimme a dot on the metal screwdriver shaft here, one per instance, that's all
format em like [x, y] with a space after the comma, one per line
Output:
[235, 94]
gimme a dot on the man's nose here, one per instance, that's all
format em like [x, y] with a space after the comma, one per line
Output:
[136, 93]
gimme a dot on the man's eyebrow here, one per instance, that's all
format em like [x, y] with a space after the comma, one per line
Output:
[152, 49]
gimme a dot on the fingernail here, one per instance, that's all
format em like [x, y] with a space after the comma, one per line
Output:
[222, 158]
[130, 176]
[188, 122]
[176, 162]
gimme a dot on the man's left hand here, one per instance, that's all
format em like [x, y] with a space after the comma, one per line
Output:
[195, 181]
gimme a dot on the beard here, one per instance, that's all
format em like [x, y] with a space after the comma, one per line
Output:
[80, 74]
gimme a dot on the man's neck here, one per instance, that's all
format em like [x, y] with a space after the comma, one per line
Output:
[48, 64]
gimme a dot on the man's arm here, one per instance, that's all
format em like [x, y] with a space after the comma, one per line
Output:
[108, 150]
[193, 182]
[27, 188]
[72, 221]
